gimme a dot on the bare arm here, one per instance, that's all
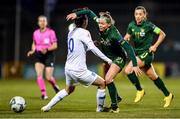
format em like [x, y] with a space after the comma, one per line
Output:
[160, 39]
[54, 46]
[32, 50]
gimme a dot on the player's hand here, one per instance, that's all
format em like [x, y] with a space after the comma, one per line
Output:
[71, 16]
[31, 52]
[44, 51]
[152, 49]
[137, 71]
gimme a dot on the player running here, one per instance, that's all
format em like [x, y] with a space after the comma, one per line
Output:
[43, 47]
[79, 42]
[114, 46]
[141, 31]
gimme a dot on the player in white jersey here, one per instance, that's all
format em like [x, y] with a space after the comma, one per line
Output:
[79, 42]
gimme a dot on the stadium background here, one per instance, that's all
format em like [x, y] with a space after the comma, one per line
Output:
[19, 19]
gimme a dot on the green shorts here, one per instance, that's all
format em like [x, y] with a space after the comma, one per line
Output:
[147, 57]
[119, 61]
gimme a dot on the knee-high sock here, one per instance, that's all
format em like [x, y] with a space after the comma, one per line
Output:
[41, 85]
[100, 96]
[159, 83]
[58, 97]
[134, 80]
[113, 94]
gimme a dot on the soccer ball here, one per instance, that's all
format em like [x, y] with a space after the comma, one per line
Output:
[17, 104]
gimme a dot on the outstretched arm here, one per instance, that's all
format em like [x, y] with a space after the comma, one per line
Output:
[87, 12]
[132, 56]
[98, 53]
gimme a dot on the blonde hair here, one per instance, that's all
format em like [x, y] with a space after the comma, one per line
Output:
[143, 9]
[106, 15]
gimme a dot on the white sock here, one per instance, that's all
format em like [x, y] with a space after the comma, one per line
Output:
[100, 99]
[58, 97]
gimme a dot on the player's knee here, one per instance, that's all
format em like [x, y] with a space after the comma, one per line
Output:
[127, 70]
[48, 77]
[102, 84]
[152, 76]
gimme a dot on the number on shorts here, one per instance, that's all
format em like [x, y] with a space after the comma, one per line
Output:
[71, 45]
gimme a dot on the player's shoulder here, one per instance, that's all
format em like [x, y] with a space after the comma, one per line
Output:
[132, 23]
[50, 30]
[36, 31]
[150, 24]
[82, 30]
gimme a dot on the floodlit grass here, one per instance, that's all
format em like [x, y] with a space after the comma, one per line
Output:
[82, 103]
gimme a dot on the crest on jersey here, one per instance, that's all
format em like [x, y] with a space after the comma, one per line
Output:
[46, 41]
[142, 33]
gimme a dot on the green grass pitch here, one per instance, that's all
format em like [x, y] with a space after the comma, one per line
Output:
[82, 103]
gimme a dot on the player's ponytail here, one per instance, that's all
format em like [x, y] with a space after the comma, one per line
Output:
[107, 16]
[143, 9]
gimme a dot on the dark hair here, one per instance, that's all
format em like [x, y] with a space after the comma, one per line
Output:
[79, 21]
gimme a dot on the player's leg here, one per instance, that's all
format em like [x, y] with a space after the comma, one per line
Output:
[100, 96]
[39, 68]
[51, 79]
[58, 97]
[62, 93]
[110, 75]
[106, 67]
[134, 79]
[150, 72]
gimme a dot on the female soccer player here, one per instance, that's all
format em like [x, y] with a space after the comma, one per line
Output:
[114, 46]
[79, 42]
[43, 47]
[141, 31]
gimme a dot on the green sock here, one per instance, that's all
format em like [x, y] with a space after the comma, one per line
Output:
[159, 83]
[113, 95]
[134, 80]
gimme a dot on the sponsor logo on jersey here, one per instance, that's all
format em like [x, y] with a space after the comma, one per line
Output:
[46, 41]
[52, 64]
[106, 42]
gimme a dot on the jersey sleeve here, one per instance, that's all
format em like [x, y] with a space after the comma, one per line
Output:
[34, 36]
[154, 28]
[87, 40]
[53, 36]
[129, 30]
[89, 13]
[116, 36]
[130, 52]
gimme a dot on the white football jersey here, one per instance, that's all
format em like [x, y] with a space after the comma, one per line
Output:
[79, 42]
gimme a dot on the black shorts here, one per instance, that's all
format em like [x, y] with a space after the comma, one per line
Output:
[47, 59]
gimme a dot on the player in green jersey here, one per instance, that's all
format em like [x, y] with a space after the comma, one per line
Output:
[114, 47]
[141, 31]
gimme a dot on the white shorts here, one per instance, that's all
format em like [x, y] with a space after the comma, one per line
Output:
[84, 77]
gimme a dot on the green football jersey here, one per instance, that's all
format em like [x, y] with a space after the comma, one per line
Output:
[142, 35]
[113, 44]
[110, 40]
